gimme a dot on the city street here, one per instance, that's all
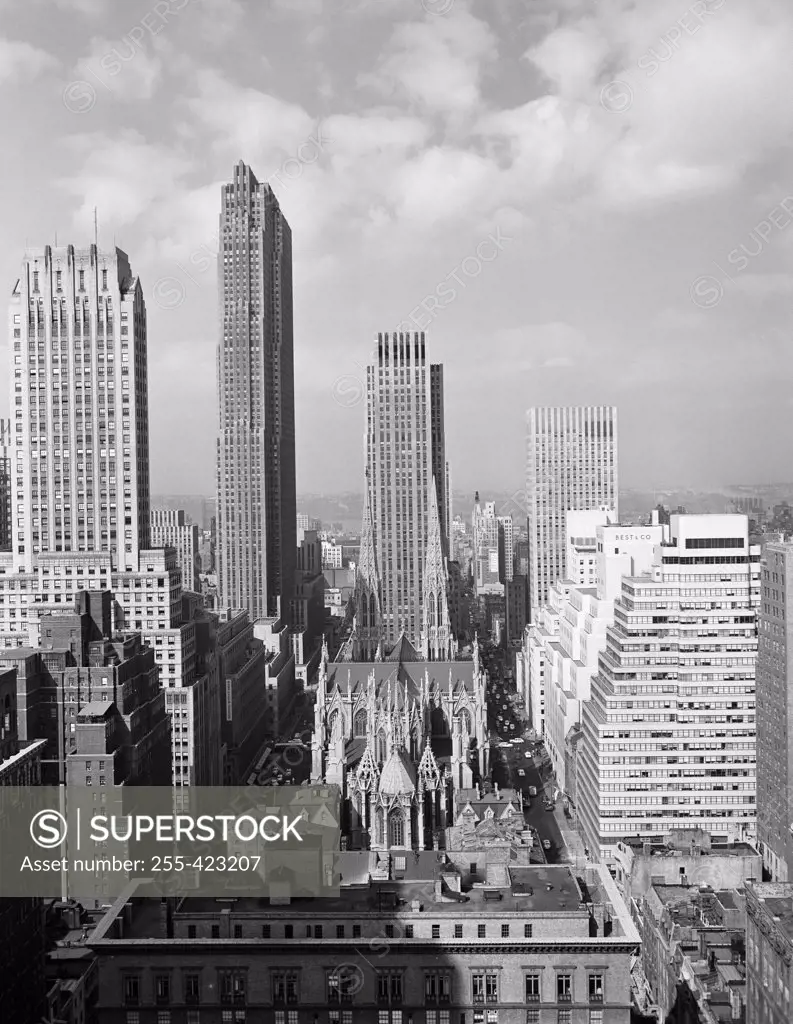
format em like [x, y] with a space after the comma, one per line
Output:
[508, 760]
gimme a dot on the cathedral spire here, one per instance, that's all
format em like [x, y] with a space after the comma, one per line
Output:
[367, 588]
[436, 632]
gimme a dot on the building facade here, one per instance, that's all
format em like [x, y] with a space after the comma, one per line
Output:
[532, 944]
[171, 528]
[256, 510]
[6, 499]
[404, 437]
[775, 713]
[669, 730]
[769, 952]
[571, 464]
[80, 398]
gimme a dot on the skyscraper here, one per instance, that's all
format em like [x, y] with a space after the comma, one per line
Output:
[80, 401]
[172, 528]
[775, 714]
[6, 505]
[257, 537]
[669, 732]
[404, 442]
[571, 464]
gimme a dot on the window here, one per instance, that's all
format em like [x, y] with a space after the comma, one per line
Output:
[458, 931]
[288, 931]
[215, 931]
[596, 988]
[504, 931]
[484, 987]
[595, 1017]
[532, 988]
[191, 931]
[437, 1016]
[527, 931]
[162, 989]
[131, 990]
[389, 931]
[389, 986]
[356, 931]
[564, 988]
[436, 931]
[564, 1017]
[339, 931]
[237, 931]
[163, 1017]
[533, 1016]
[481, 931]
[284, 986]
[265, 931]
[133, 1017]
[437, 987]
[192, 988]
[342, 985]
[232, 986]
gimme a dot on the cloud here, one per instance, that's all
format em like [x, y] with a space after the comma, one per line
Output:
[127, 69]
[21, 62]
[436, 64]
[761, 286]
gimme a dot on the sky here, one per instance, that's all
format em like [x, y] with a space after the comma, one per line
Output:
[580, 201]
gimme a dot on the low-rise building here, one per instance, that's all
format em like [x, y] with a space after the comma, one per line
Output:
[411, 937]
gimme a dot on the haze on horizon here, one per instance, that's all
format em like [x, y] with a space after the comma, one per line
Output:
[645, 229]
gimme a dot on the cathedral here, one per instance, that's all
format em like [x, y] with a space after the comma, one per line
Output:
[401, 732]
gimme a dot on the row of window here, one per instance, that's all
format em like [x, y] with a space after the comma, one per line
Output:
[343, 983]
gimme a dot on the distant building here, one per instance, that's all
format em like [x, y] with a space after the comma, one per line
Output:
[571, 464]
[332, 555]
[170, 528]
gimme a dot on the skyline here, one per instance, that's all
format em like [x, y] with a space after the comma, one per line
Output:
[529, 169]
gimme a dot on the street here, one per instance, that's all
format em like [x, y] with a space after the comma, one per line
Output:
[508, 758]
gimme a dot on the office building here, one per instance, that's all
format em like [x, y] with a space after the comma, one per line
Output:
[669, 729]
[442, 944]
[171, 528]
[256, 510]
[769, 952]
[561, 649]
[571, 464]
[80, 401]
[440, 467]
[404, 442]
[775, 713]
[81, 482]
[332, 555]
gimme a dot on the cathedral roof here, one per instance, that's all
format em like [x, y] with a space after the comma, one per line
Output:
[403, 650]
[398, 776]
[354, 674]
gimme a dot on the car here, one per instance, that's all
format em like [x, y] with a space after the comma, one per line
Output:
[512, 726]
[515, 741]
[532, 791]
[527, 753]
[504, 744]
[521, 773]
[503, 707]
[546, 844]
[549, 805]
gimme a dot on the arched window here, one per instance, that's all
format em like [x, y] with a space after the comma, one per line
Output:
[381, 746]
[359, 723]
[465, 721]
[396, 829]
[365, 611]
[379, 829]
[334, 723]
[372, 611]
[432, 610]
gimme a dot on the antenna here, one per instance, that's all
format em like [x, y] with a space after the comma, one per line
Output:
[96, 230]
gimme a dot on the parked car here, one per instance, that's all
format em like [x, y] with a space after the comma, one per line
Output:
[532, 791]
[549, 805]
[527, 753]
[546, 844]
[521, 773]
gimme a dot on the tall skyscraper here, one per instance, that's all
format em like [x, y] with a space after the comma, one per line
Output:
[669, 732]
[440, 467]
[257, 537]
[571, 464]
[775, 714]
[404, 446]
[80, 399]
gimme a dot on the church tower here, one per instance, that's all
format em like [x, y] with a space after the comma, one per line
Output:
[368, 615]
[436, 634]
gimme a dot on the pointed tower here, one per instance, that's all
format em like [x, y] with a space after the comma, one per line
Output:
[368, 616]
[436, 634]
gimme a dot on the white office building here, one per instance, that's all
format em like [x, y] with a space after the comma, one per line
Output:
[669, 730]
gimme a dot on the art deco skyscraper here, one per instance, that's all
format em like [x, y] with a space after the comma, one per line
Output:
[256, 512]
[403, 436]
[571, 464]
[80, 457]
